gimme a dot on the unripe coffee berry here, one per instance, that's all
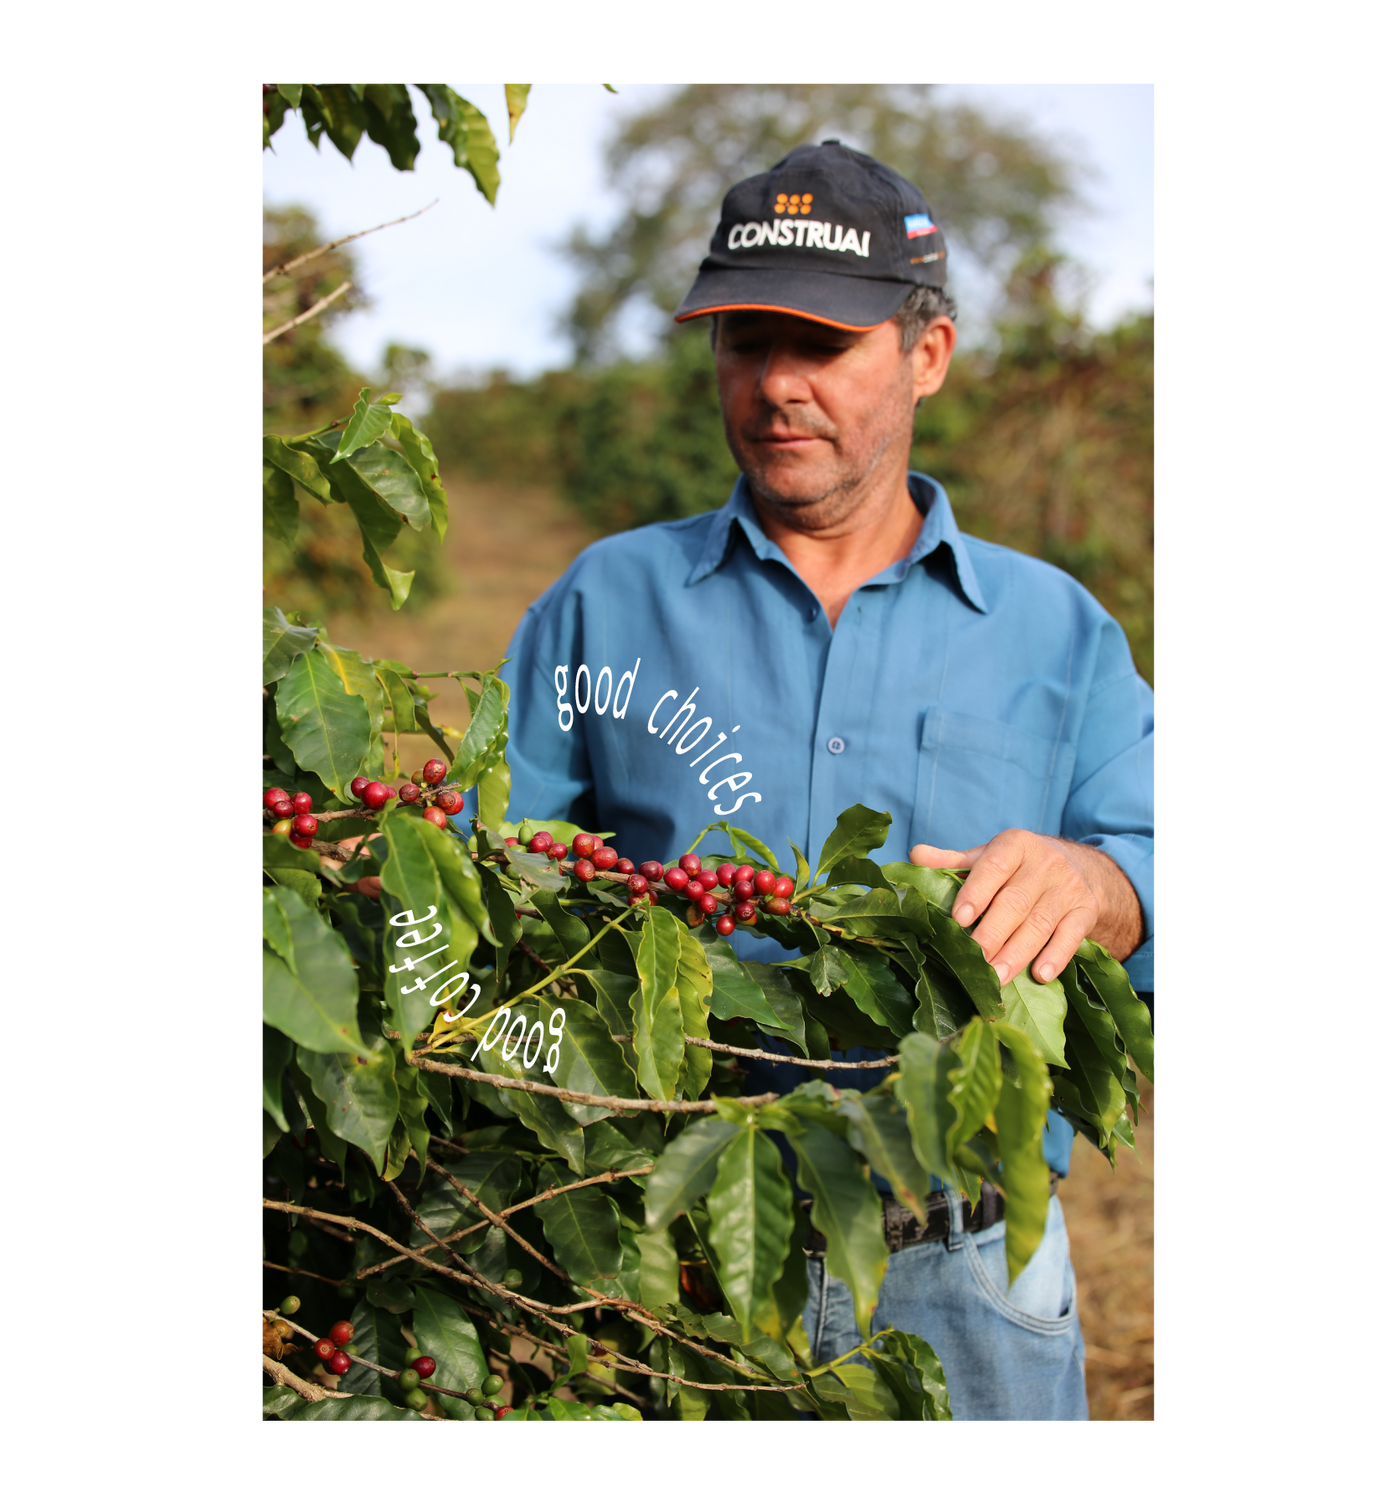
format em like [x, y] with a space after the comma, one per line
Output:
[424, 1365]
[325, 1349]
[693, 917]
[745, 910]
[342, 1330]
[451, 802]
[764, 881]
[352, 1350]
[725, 925]
[408, 1378]
[338, 1364]
[475, 1396]
[637, 883]
[540, 842]
[694, 889]
[357, 786]
[417, 776]
[285, 825]
[375, 795]
[784, 886]
[625, 866]
[271, 797]
[725, 873]
[485, 1415]
[284, 809]
[677, 879]
[299, 841]
[744, 872]
[492, 1385]
[708, 879]
[417, 1399]
[605, 858]
[743, 889]
[410, 1355]
[690, 862]
[302, 802]
[434, 815]
[778, 906]
[282, 1328]
[707, 904]
[652, 869]
[289, 1305]
[583, 845]
[305, 826]
[434, 772]
[409, 792]
[584, 870]
[556, 850]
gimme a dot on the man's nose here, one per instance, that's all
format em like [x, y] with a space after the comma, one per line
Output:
[782, 378]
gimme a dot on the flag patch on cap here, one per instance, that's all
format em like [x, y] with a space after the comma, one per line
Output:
[918, 225]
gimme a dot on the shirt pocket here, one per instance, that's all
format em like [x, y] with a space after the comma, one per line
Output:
[977, 777]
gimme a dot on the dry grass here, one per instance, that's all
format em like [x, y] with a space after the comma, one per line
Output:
[1109, 1217]
[505, 546]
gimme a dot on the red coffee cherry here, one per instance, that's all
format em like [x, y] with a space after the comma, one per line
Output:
[434, 772]
[298, 841]
[744, 872]
[271, 797]
[584, 870]
[556, 850]
[778, 906]
[637, 883]
[693, 916]
[325, 1349]
[451, 802]
[764, 881]
[652, 869]
[436, 816]
[375, 795]
[583, 845]
[694, 889]
[707, 904]
[341, 1331]
[645, 898]
[339, 1363]
[690, 863]
[512, 842]
[725, 925]
[745, 910]
[624, 866]
[677, 879]
[708, 879]
[784, 886]
[284, 809]
[305, 826]
[725, 874]
[501, 1412]
[302, 802]
[742, 889]
[357, 786]
[605, 858]
[285, 825]
[409, 792]
[425, 1365]
[540, 842]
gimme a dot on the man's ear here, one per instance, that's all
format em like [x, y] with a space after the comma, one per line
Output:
[931, 355]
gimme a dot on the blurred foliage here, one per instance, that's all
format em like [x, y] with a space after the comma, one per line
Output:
[996, 188]
[1043, 438]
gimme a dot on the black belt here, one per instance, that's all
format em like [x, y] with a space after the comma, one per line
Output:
[901, 1228]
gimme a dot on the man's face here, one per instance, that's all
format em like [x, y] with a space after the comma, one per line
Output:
[815, 416]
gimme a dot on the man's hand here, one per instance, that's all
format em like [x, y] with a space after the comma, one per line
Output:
[1039, 897]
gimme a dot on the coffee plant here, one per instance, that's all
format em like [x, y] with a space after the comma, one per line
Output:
[503, 1091]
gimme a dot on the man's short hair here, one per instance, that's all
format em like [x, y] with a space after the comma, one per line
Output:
[913, 316]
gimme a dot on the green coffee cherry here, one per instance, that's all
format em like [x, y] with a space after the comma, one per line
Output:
[352, 1350]
[475, 1397]
[345, 1292]
[417, 1399]
[289, 1305]
[492, 1385]
[410, 1356]
[408, 1379]
[486, 1415]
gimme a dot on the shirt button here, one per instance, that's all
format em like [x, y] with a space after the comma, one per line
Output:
[836, 745]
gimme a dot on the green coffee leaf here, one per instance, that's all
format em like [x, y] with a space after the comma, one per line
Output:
[466, 130]
[659, 1033]
[316, 1004]
[418, 452]
[516, 95]
[974, 1085]
[1038, 1010]
[449, 1336]
[1020, 1116]
[879, 1130]
[282, 642]
[1108, 980]
[280, 513]
[750, 1207]
[365, 425]
[474, 755]
[858, 830]
[360, 1096]
[922, 1087]
[585, 1234]
[326, 727]
[686, 1170]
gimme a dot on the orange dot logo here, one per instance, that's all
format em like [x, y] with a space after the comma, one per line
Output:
[793, 204]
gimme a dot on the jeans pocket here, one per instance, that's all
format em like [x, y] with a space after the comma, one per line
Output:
[1043, 1298]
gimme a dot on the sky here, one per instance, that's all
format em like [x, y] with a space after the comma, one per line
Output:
[481, 288]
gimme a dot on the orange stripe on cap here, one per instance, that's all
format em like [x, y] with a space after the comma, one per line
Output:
[772, 308]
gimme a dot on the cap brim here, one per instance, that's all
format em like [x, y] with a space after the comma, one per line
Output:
[849, 303]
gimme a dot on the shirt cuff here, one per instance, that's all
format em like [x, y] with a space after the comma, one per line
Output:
[1133, 853]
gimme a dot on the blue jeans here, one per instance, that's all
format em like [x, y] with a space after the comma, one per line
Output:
[1006, 1355]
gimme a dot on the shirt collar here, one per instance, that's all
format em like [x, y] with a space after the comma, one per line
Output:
[929, 497]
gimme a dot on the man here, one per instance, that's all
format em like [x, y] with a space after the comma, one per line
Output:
[829, 637]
